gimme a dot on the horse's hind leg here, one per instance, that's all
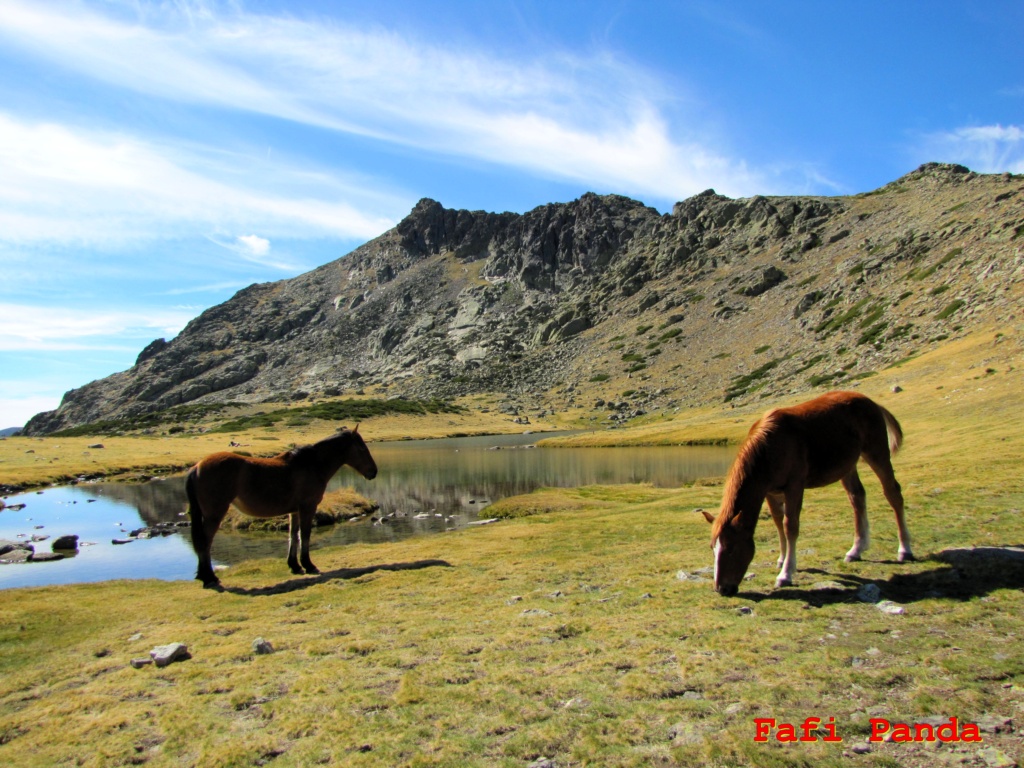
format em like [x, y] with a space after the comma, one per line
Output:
[203, 531]
[882, 467]
[778, 510]
[293, 543]
[861, 530]
[305, 529]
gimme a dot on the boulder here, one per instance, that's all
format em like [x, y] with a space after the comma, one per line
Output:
[65, 542]
[163, 655]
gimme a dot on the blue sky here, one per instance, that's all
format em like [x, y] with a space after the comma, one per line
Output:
[156, 157]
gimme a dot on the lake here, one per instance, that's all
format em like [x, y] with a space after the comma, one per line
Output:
[423, 487]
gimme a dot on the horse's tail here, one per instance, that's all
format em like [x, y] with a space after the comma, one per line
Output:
[894, 430]
[195, 513]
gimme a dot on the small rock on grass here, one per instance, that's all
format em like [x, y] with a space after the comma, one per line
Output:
[140, 663]
[262, 647]
[163, 655]
[996, 758]
[888, 606]
[869, 593]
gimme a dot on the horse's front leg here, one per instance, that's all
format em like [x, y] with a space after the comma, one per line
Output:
[794, 501]
[293, 543]
[305, 528]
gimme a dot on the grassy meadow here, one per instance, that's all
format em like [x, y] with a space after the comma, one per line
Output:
[581, 627]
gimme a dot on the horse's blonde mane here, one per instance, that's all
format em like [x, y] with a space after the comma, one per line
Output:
[742, 470]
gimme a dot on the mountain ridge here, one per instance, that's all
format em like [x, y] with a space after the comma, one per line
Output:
[565, 307]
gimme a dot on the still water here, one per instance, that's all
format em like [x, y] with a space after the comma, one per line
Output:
[424, 486]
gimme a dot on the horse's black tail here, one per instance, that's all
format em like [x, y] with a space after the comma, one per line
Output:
[195, 512]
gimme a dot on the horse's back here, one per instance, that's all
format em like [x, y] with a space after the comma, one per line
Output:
[224, 477]
[833, 431]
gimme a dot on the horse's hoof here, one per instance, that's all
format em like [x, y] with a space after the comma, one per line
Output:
[853, 558]
[297, 571]
[312, 570]
[906, 557]
[213, 584]
[780, 583]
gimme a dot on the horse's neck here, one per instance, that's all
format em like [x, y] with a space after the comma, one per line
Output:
[743, 499]
[333, 455]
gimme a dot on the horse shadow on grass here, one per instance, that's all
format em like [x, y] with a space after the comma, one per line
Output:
[959, 574]
[293, 585]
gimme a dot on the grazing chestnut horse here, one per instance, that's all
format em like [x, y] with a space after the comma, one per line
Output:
[806, 446]
[291, 483]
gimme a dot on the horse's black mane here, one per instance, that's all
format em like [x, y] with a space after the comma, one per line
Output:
[308, 453]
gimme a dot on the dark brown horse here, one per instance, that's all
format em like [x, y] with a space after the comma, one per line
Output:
[806, 446]
[291, 483]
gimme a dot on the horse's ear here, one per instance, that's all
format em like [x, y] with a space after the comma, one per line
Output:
[355, 429]
[708, 516]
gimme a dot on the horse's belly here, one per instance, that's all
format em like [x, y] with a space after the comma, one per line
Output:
[254, 509]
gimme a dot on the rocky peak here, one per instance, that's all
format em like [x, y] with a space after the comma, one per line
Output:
[604, 288]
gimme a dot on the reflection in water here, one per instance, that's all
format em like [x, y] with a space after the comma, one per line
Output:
[423, 486]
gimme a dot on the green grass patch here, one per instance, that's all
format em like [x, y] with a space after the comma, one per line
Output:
[928, 272]
[872, 334]
[599, 377]
[810, 364]
[825, 378]
[833, 324]
[938, 289]
[670, 334]
[339, 410]
[174, 416]
[642, 329]
[763, 348]
[874, 313]
[742, 384]
[632, 357]
[950, 309]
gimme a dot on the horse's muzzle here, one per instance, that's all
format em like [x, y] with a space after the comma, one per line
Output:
[727, 590]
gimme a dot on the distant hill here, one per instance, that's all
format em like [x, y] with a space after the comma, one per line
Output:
[9, 431]
[603, 306]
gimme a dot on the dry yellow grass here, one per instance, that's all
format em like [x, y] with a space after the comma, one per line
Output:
[569, 635]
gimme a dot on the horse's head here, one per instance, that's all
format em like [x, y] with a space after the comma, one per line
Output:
[359, 457]
[733, 546]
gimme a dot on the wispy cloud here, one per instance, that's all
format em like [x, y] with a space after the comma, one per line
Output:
[25, 327]
[983, 148]
[61, 184]
[597, 119]
[254, 249]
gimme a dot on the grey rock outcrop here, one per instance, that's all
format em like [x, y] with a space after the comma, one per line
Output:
[450, 302]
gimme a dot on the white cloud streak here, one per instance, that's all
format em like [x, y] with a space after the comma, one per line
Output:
[24, 327]
[63, 185]
[982, 148]
[596, 119]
